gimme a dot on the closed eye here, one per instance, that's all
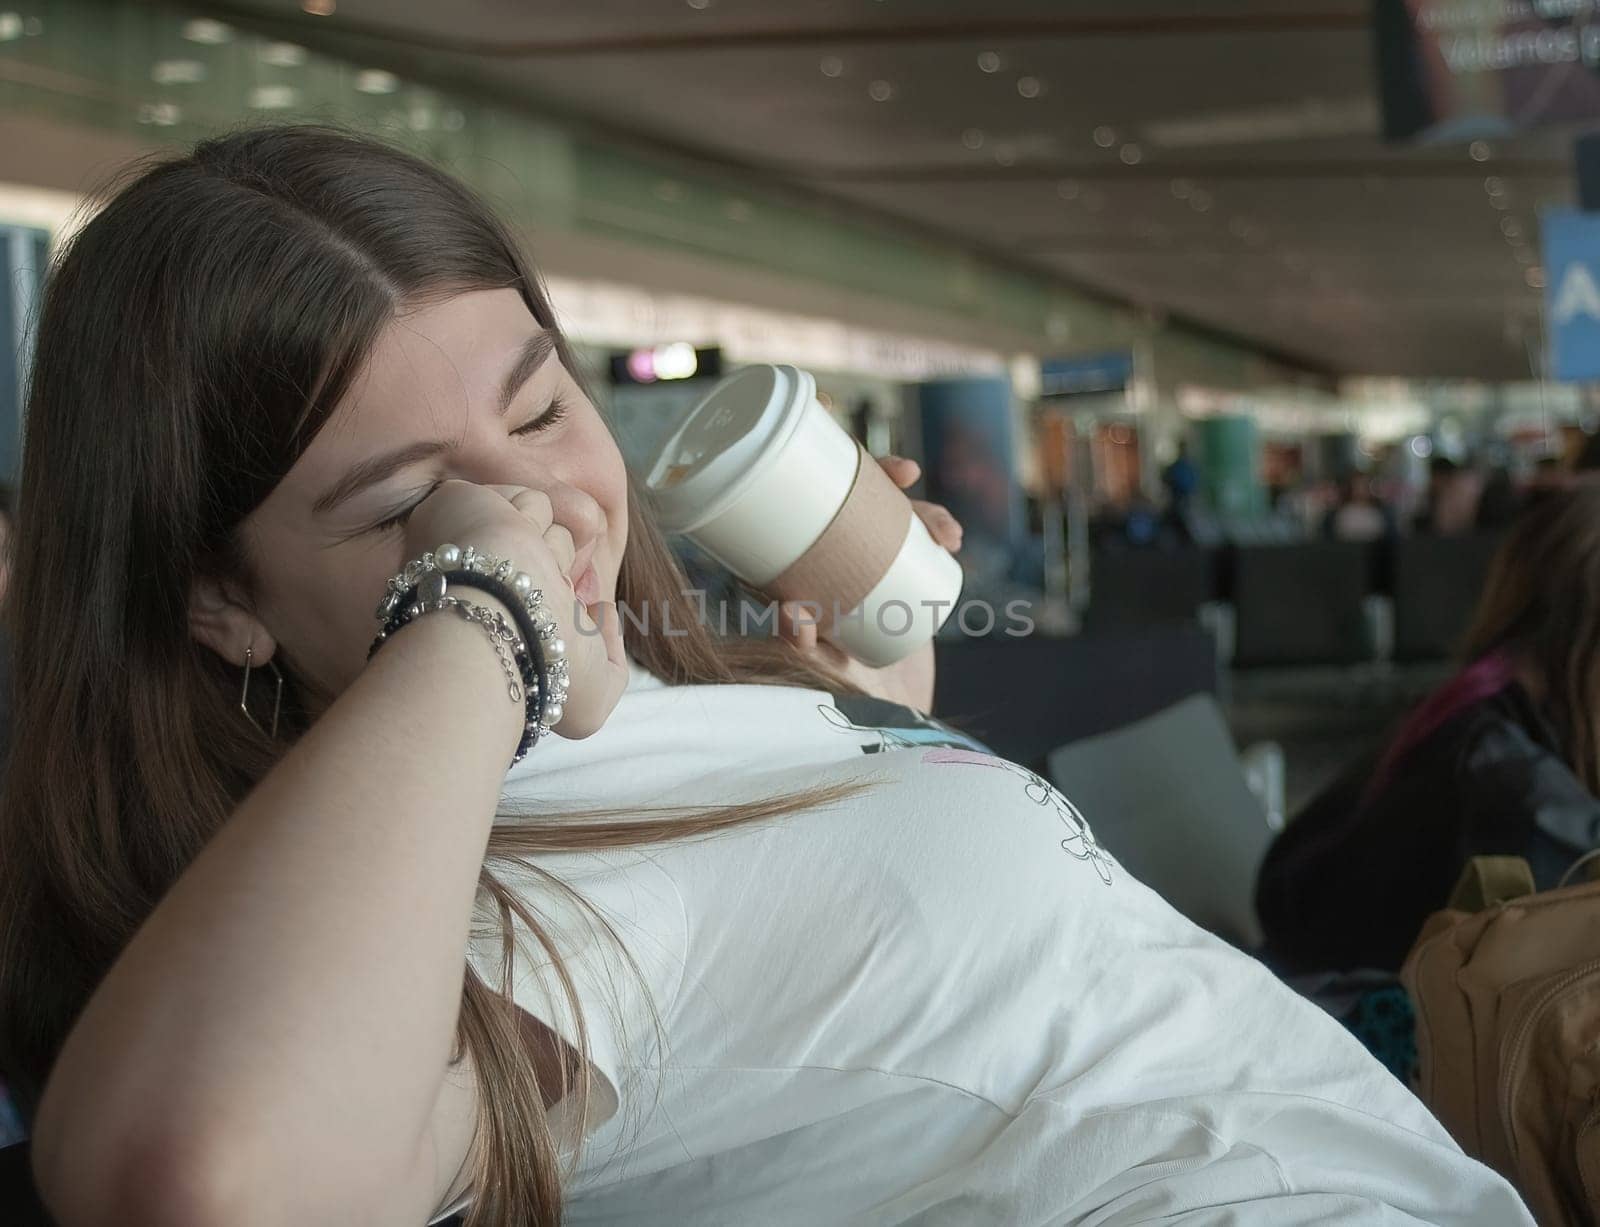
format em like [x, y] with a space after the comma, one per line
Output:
[398, 519]
[557, 410]
[552, 415]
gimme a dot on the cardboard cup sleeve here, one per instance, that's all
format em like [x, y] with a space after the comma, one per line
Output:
[855, 550]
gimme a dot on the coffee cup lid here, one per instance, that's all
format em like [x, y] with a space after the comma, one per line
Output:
[721, 447]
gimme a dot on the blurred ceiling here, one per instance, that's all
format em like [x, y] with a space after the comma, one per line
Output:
[1217, 161]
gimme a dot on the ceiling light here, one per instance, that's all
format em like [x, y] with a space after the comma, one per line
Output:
[282, 55]
[33, 26]
[1479, 151]
[204, 30]
[1132, 154]
[376, 81]
[318, 8]
[273, 97]
[1200, 202]
[1105, 136]
[10, 27]
[972, 138]
[1510, 228]
[989, 61]
[1181, 188]
[162, 114]
[1534, 277]
[880, 91]
[1068, 190]
[675, 361]
[177, 72]
[1029, 87]
[1494, 185]
[832, 66]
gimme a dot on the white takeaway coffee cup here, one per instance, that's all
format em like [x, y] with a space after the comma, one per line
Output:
[763, 479]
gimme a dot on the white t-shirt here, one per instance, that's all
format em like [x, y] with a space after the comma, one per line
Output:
[935, 1002]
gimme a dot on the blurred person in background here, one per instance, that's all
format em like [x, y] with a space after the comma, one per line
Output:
[1181, 479]
[1360, 515]
[1504, 759]
[1453, 494]
[1588, 457]
[310, 953]
[1500, 500]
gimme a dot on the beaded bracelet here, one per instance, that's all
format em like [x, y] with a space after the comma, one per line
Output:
[535, 645]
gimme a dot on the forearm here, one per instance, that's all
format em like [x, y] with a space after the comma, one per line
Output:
[285, 1016]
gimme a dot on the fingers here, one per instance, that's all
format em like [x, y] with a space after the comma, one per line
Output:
[535, 504]
[901, 470]
[599, 666]
[560, 542]
[943, 527]
[797, 622]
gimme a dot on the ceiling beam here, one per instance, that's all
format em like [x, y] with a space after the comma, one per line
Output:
[1156, 168]
[726, 38]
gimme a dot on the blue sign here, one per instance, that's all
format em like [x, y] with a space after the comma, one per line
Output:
[1093, 373]
[1572, 293]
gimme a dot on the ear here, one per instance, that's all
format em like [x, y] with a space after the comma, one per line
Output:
[219, 618]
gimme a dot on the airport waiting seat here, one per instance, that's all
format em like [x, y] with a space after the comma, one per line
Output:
[1025, 696]
[1168, 798]
[1302, 604]
[1437, 582]
[1135, 588]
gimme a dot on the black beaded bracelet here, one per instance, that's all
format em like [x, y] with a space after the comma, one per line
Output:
[537, 648]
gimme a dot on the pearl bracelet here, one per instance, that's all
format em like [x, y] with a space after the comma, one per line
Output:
[538, 649]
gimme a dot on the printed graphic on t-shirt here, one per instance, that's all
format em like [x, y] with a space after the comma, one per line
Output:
[881, 725]
[1079, 842]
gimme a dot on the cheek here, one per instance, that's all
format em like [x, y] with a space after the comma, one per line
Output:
[604, 478]
[321, 611]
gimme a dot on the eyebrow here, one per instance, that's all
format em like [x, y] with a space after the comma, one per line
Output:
[535, 351]
[372, 470]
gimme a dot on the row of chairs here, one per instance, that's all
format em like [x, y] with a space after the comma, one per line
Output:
[1306, 603]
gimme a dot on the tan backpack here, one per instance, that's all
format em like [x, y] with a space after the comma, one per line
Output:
[1506, 985]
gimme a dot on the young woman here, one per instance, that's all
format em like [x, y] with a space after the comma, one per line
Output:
[1504, 759]
[747, 943]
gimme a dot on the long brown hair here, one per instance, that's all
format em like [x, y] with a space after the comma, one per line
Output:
[1541, 608]
[194, 337]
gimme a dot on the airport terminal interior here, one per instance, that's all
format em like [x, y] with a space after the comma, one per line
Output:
[1195, 404]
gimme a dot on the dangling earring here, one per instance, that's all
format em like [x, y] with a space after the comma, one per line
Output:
[244, 692]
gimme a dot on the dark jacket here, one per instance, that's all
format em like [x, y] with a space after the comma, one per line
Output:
[1351, 881]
